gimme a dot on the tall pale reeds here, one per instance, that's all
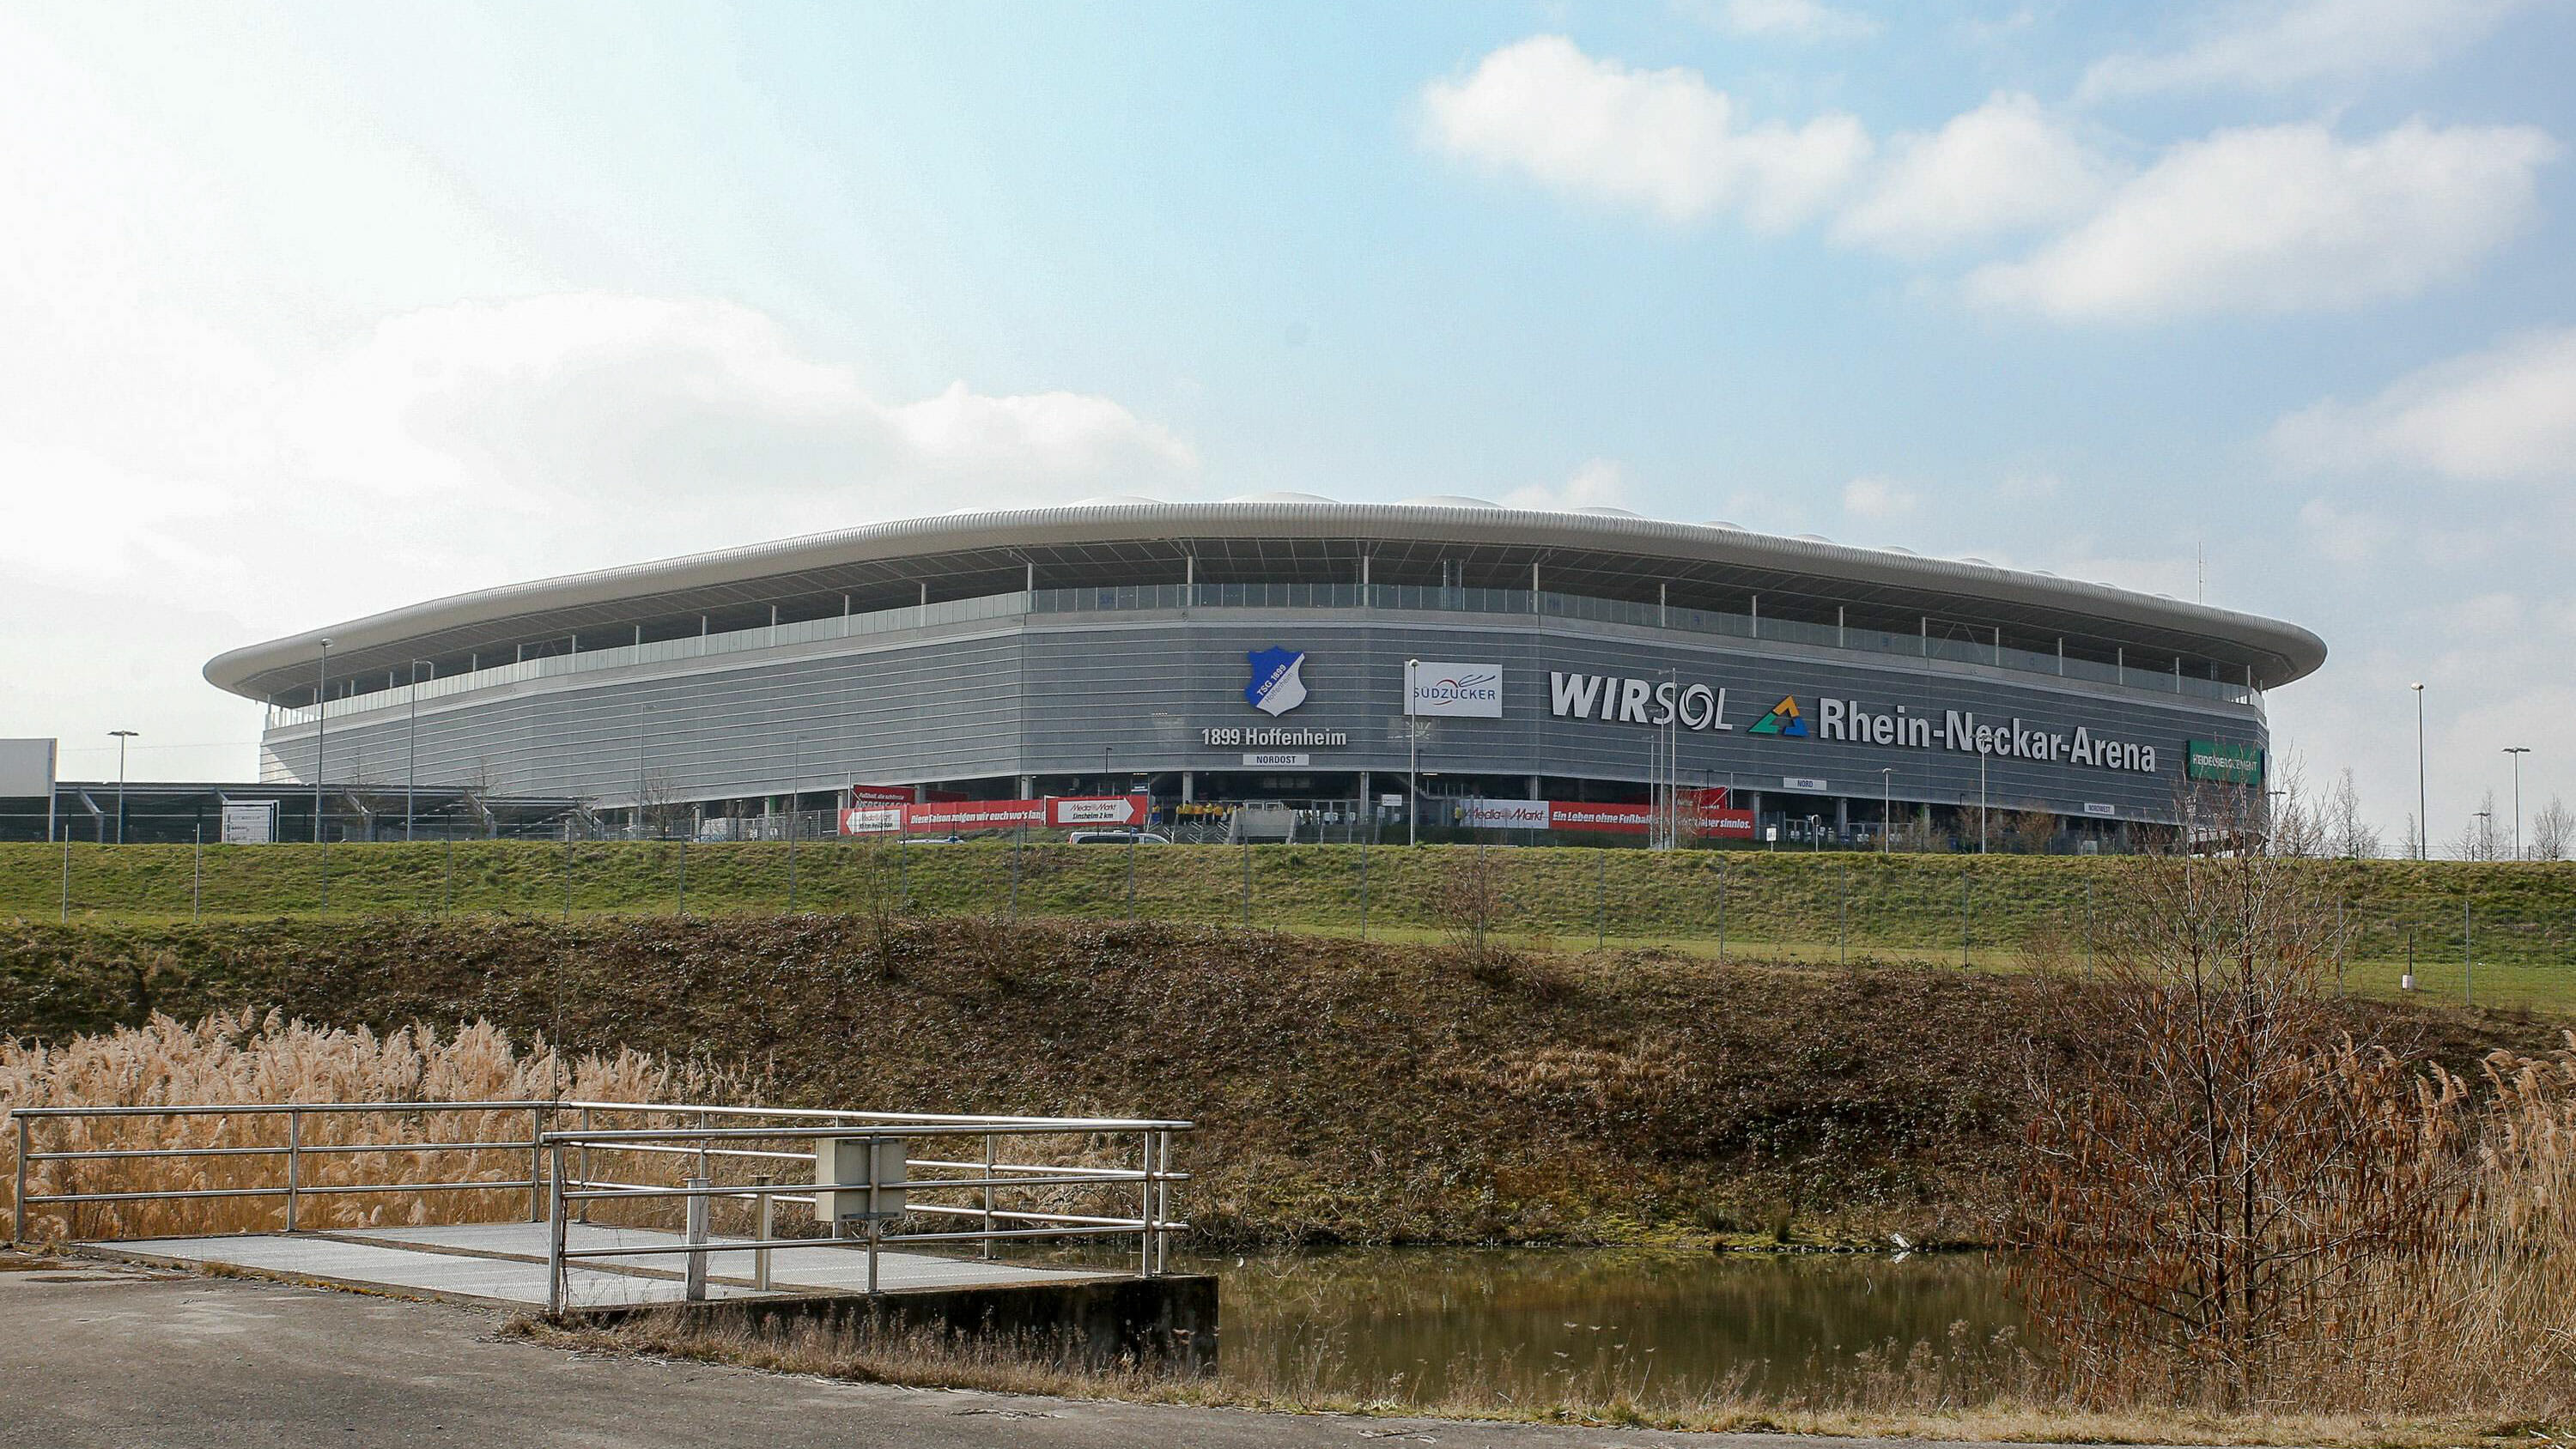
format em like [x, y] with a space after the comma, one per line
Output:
[254, 1058]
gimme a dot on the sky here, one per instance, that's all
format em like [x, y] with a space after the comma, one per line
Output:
[310, 311]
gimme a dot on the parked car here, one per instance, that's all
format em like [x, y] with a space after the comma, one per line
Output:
[1117, 837]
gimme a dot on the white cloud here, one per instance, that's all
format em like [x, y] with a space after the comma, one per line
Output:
[1879, 498]
[2277, 44]
[2027, 487]
[2342, 535]
[1661, 140]
[617, 402]
[1807, 20]
[2505, 415]
[1599, 483]
[2005, 166]
[2284, 219]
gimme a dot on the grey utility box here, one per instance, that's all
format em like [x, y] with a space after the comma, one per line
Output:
[845, 1168]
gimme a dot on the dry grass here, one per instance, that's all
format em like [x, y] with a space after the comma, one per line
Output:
[1961, 1389]
[250, 1058]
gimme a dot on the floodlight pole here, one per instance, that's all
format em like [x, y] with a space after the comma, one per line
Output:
[2517, 751]
[121, 737]
[321, 724]
[2423, 826]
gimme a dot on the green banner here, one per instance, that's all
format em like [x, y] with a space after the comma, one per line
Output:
[2222, 762]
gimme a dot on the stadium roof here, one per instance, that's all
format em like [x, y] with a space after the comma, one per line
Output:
[1273, 538]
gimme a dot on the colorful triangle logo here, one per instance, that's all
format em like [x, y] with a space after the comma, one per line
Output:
[1783, 720]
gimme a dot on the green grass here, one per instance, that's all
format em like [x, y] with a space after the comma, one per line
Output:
[1828, 906]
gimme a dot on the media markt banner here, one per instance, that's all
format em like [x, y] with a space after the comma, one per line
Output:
[2221, 762]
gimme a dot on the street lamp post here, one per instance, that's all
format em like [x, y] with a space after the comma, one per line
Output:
[321, 726]
[411, 772]
[2517, 751]
[2423, 826]
[121, 737]
[1412, 759]
[2486, 831]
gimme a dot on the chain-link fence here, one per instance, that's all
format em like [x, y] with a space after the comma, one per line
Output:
[2499, 934]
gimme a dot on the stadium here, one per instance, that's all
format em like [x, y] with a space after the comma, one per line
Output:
[1444, 663]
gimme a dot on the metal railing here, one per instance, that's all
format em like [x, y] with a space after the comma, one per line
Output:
[574, 1164]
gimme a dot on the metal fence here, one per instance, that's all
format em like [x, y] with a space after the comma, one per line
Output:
[263, 1167]
[2494, 934]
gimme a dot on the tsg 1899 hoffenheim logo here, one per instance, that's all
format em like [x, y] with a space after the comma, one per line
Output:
[1277, 686]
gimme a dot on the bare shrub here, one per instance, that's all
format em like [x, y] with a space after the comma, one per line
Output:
[2240, 1207]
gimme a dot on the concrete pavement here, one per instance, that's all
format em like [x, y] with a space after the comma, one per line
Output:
[93, 1354]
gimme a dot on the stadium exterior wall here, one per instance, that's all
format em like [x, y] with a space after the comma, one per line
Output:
[1026, 694]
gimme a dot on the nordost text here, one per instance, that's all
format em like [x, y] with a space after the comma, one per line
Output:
[1838, 719]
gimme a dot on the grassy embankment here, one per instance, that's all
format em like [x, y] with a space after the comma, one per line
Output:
[1365, 1092]
[2520, 919]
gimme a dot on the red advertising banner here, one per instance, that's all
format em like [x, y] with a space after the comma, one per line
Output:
[1128, 810]
[1633, 819]
[973, 815]
[880, 794]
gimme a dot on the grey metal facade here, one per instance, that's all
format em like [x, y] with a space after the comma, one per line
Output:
[1089, 694]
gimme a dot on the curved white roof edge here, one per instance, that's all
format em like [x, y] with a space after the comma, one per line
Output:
[1416, 521]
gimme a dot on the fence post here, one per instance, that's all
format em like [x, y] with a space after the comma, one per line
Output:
[1364, 881]
[1601, 898]
[555, 1230]
[2468, 961]
[684, 875]
[1247, 883]
[294, 1163]
[1131, 871]
[2088, 933]
[984, 1248]
[1842, 916]
[567, 870]
[18, 1203]
[536, 1164]
[1963, 917]
[694, 1286]
[791, 862]
[447, 887]
[1721, 910]
[2339, 945]
[67, 873]
[197, 877]
[1017, 836]
[1145, 1205]
[760, 1258]
[903, 865]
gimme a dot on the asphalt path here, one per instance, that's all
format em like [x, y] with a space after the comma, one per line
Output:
[104, 1355]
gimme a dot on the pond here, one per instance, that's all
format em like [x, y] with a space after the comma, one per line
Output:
[1425, 1323]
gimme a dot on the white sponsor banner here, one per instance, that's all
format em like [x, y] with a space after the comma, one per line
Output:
[1097, 810]
[1458, 691]
[250, 824]
[872, 819]
[1504, 814]
[1261, 761]
[26, 768]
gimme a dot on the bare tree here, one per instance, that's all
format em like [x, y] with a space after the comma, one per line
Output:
[2030, 830]
[2553, 831]
[2295, 822]
[2348, 834]
[2206, 1200]
[2478, 838]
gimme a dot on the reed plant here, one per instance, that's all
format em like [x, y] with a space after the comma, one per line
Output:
[255, 1058]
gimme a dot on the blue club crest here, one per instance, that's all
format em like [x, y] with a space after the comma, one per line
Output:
[1278, 685]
